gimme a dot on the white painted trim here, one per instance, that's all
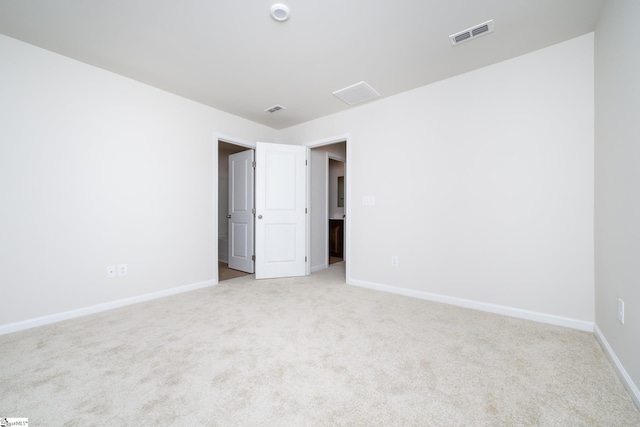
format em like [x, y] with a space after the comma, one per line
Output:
[307, 217]
[214, 196]
[319, 267]
[233, 140]
[336, 157]
[628, 383]
[328, 141]
[348, 200]
[477, 305]
[58, 317]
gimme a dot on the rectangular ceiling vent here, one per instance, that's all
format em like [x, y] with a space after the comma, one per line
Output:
[357, 93]
[275, 108]
[472, 33]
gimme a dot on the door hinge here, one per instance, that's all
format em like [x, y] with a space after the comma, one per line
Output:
[253, 165]
[305, 210]
[305, 163]
[253, 257]
[253, 211]
[305, 259]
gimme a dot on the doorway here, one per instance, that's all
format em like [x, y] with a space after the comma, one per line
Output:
[328, 204]
[335, 208]
[265, 208]
[225, 150]
[317, 198]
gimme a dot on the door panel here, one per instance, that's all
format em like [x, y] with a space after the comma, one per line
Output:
[280, 210]
[280, 242]
[241, 203]
[280, 184]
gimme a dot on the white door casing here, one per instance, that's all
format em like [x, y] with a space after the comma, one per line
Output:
[281, 198]
[240, 218]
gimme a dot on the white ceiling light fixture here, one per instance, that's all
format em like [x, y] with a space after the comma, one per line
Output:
[280, 12]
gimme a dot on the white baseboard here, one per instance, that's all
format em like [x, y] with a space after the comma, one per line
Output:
[58, 317]
[624, 375]
[319, 267]
[482, 306]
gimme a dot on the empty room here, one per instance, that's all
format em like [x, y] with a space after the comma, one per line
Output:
[320, 213]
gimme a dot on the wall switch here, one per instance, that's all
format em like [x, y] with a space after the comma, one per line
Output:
[621, 311]
[111, 271]
[395, 261]
[122, 269]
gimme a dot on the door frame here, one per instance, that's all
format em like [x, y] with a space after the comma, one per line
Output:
[346, 137]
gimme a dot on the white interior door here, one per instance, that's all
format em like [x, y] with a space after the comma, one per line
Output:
[281, 198]
[240, 218]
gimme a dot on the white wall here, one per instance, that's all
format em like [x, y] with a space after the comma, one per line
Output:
[97, 169]
[318, 219]
[486, 194]
[617, 189]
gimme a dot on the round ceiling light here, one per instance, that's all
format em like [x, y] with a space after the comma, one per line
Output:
[280, 12]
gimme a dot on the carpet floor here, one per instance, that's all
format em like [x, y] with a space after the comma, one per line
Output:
[305, 352]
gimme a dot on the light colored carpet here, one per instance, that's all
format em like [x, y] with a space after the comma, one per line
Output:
[307, 351]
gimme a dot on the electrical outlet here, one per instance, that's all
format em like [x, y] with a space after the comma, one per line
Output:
[122, 269]
[620, 311]
[395, 261]
[111, 271]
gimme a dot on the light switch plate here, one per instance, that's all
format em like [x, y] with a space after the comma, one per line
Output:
[368, 200]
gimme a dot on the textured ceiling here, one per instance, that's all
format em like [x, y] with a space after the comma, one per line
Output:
[233, 56]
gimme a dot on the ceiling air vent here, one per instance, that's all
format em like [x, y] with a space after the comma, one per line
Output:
[357, 93]
[472, 33]
[275, 108]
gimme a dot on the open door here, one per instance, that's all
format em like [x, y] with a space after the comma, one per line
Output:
[240, 218]
[281, 198]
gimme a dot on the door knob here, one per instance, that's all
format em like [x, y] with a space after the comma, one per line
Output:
[228, 216]
[259, 216]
